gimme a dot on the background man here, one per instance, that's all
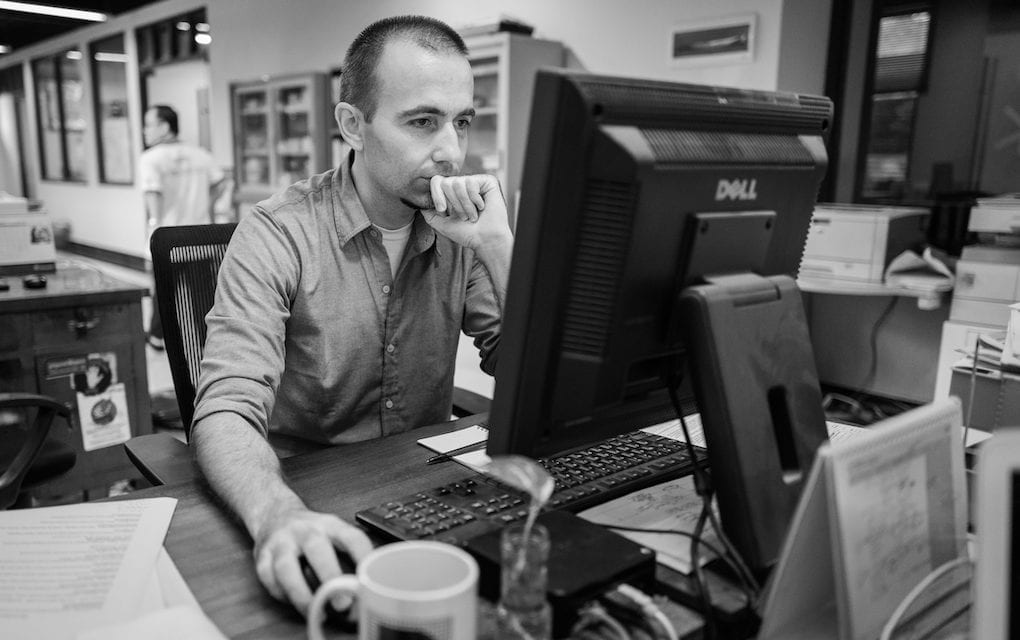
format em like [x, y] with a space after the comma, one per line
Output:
[179, 181]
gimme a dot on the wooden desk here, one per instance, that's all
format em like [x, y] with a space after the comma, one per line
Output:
[47, 334]
[214, 553]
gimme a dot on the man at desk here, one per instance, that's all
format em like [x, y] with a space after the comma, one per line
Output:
[340, 300]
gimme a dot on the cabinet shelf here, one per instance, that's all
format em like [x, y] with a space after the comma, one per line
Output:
[280, 133]
[504, 65]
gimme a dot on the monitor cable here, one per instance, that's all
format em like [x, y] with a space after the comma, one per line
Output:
[703, 487]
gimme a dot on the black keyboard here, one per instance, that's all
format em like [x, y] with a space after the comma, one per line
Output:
[585, 477]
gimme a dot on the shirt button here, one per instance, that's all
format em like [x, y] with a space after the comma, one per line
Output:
[390, 348]
[389, 404]
[386, 288]
[375, 234]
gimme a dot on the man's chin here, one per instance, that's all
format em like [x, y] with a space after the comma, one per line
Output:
[422, 202]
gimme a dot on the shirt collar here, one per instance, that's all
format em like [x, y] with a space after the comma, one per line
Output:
[350, 218]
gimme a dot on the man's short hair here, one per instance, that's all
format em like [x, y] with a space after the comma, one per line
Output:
[357, 81]
[166, 114]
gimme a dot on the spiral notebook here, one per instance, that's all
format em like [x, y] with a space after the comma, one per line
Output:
[879, 513]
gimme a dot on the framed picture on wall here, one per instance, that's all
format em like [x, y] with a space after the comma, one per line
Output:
[724, 40]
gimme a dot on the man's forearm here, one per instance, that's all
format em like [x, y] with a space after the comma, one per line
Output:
[495, 257]
[154, 208]
[242, 468]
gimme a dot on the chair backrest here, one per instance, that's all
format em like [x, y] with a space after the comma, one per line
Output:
[185, 264]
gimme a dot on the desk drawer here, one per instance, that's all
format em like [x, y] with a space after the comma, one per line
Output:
[15, 332]
[61, 326]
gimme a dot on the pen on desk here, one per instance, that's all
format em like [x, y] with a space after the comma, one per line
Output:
[449, 455]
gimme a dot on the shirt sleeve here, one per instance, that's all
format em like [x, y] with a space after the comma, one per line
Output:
[216, 174]
[244, 354]
[482, 315]
[149, 177]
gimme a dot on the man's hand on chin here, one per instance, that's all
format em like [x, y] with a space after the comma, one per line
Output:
[469, 210]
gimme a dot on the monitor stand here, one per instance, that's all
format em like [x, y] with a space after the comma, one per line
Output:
[757, 389]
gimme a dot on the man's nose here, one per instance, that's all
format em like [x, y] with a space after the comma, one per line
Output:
[447, 145]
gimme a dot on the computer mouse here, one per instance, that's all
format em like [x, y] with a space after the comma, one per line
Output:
[34, 281]
[339, 620]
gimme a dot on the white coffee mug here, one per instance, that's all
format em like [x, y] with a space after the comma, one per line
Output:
[416, 589]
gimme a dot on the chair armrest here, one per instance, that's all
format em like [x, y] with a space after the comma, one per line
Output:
[162, 458]
[468, 403]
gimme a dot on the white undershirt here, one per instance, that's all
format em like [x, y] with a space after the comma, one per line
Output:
[395, 241]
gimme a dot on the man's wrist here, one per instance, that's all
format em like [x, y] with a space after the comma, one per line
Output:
[498, 247]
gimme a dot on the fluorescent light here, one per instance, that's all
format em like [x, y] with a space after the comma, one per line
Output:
[60, 12]
[103, 56]
[4, 49]
[73, 54]
[183, 26]
[203, 38]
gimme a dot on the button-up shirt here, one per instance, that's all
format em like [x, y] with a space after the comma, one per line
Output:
[310, 334]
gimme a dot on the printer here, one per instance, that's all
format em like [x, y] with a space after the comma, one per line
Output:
[26, 238]
[856, 242]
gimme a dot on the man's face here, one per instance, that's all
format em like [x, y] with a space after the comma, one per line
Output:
[153, 129]
[420, 125]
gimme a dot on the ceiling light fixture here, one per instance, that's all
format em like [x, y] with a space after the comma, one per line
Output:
[4, 49]
[203, 38]
[106, 56]
[59, 12]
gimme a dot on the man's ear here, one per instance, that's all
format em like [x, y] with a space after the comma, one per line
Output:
[351, 121]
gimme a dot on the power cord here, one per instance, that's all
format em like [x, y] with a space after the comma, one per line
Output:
[594, 614]
[647, 607]
[901, 609]
[703, 487]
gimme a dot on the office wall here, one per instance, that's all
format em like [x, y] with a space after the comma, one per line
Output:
[803, 43]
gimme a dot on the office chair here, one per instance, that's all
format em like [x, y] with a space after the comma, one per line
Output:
[185, 263]
[34, 459]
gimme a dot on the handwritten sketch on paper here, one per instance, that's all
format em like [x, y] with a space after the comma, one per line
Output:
[672, 506]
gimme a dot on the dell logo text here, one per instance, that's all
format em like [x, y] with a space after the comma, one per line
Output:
[736, 190]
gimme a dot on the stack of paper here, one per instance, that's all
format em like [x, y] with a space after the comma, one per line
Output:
[988, 357]
[68, 571]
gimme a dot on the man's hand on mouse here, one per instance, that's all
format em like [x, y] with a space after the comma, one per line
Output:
[287, 536]
[469, 210]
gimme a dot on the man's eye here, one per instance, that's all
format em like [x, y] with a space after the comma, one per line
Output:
[463, 123]
[421, 122]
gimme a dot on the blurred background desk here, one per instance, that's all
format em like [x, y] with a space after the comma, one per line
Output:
[875, 339]
[49, 336]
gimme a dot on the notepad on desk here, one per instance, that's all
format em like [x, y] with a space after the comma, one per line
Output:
[445, 443]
